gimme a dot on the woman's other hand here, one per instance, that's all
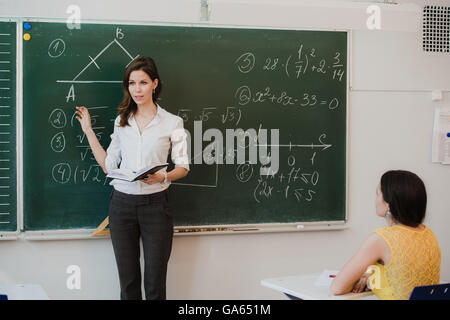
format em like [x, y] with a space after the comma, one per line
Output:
[361, 284]
[153, 178]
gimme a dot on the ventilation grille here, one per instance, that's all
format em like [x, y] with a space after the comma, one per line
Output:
[436, 29]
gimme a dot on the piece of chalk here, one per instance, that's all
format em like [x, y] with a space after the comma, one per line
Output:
[300, 226]
[26, 36]
[448, 135]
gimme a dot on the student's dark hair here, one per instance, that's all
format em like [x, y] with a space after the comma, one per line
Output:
[405, 193]
[128, 107]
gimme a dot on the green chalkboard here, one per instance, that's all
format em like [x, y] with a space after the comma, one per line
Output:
[218, 80]
[8, 172]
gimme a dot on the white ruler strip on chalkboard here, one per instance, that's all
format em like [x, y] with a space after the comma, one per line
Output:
[19, 126]
[6, 60]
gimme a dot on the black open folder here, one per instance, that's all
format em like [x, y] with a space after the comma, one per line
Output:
[128, 175]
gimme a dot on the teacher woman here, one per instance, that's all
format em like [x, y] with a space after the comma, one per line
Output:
[143, 135]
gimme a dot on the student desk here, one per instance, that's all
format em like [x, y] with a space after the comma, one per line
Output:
[303, 287]
[24, 292]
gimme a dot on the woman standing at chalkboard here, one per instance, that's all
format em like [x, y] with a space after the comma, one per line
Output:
[143, 134]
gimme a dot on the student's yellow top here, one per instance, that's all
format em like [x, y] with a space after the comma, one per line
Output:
[416, 261]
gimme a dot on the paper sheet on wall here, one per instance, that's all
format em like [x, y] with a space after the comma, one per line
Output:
[441, 136]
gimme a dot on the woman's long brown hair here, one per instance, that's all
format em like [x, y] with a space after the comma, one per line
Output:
[128, 107]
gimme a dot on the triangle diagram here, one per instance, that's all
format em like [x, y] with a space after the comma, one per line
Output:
[105, 67]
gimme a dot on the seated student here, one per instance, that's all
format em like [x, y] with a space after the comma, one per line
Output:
[405, 254]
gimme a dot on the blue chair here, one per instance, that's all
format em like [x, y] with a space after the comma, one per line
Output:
[433, 292]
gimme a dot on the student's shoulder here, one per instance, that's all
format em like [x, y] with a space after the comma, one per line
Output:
[374, 243]
[377, 241]
[371, 249]
[372, 239]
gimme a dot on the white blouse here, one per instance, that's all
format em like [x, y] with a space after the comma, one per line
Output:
[133, 151]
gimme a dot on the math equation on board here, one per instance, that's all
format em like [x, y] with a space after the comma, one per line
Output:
[75, 171]
[298, 176]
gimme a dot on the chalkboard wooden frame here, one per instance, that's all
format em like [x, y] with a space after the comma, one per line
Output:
[207, 229]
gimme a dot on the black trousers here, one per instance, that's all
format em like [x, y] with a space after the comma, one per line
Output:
[149, 217]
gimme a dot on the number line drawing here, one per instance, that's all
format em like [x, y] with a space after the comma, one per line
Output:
[290, 145]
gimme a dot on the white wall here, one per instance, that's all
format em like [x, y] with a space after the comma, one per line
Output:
[390, 126]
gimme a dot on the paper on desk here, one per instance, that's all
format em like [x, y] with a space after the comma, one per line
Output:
[325, 278]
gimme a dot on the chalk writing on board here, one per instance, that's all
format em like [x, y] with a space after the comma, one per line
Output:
[245, 62]
[290, 183]
[245, 96]
[72, 170]
[305, 60]
[92, 174]
[93, 62]
[294, 183]
[230, 115]
[61, 173]
[58, 142]
[58, 118]
[56, 48]
[244, 172]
